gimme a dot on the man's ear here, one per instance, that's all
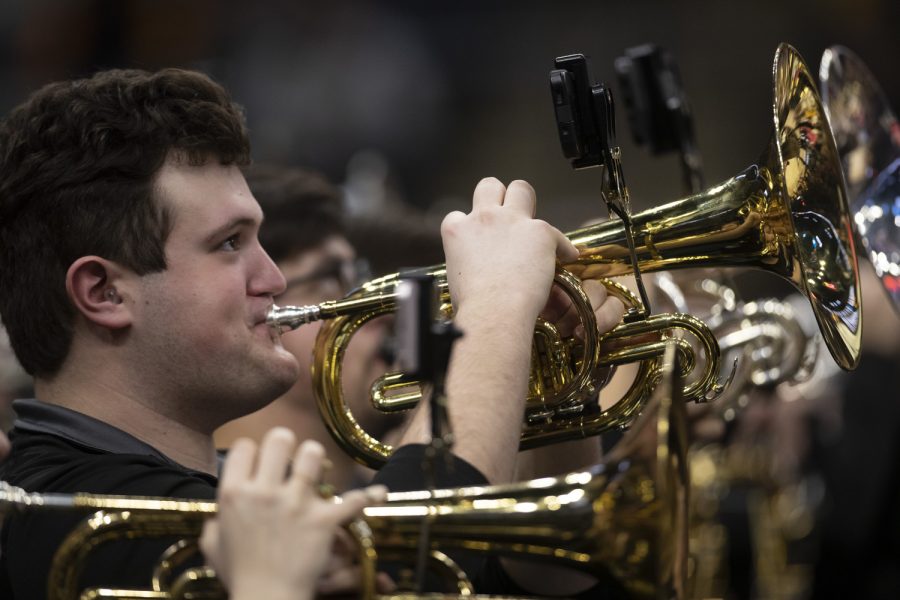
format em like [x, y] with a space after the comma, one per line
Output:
[91, 283]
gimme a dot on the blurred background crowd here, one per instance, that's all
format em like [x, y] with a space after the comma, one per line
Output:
[418, 100]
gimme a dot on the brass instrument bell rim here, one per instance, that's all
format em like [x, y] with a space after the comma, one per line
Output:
[791, 80]
[840, 65]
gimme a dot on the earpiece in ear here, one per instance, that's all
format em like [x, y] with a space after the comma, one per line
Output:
[113, 296]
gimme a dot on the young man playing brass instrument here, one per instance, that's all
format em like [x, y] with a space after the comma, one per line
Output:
[135, 291]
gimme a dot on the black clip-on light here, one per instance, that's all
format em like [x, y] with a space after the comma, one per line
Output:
[585, 118]
[660, 116]
[424, 342]
[658, 110]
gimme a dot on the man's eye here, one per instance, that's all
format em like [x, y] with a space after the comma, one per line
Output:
[232, 244]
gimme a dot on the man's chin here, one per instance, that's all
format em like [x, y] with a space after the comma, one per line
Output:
[286, 365]
[275, 371]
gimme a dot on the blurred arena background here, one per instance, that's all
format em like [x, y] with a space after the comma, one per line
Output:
[415, 101]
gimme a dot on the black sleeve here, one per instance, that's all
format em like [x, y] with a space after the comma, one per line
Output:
[403, 471]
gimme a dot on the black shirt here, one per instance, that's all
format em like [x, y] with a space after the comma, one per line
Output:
[58, 450]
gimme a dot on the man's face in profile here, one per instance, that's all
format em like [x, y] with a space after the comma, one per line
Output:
[200, 329]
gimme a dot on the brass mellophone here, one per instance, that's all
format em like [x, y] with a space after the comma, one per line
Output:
[787, 215]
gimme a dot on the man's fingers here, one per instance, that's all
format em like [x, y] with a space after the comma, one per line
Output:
[354, 501]
[561, 312]
[609, 314]
[451, 221]
[384, 584]
[595, 291]
[566, 251]
[597, 295]
[343, 546]
[209, 541]
[520, 196]
[557, 305]
[239, 463]
[274, 454]
[489, 192]
[341, 581]
[307, 470]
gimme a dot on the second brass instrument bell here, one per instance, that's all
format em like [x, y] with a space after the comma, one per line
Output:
[868, 137]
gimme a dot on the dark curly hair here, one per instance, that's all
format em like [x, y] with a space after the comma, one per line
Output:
[78, 161]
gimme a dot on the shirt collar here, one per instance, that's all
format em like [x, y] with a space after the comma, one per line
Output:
[85, 431]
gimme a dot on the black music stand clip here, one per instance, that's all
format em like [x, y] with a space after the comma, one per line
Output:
[585, 118]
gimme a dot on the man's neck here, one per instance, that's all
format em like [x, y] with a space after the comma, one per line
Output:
[114, 405]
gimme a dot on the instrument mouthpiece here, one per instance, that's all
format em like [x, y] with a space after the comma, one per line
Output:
[288, 318]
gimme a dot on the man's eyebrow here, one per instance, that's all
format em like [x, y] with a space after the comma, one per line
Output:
[236, 223]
